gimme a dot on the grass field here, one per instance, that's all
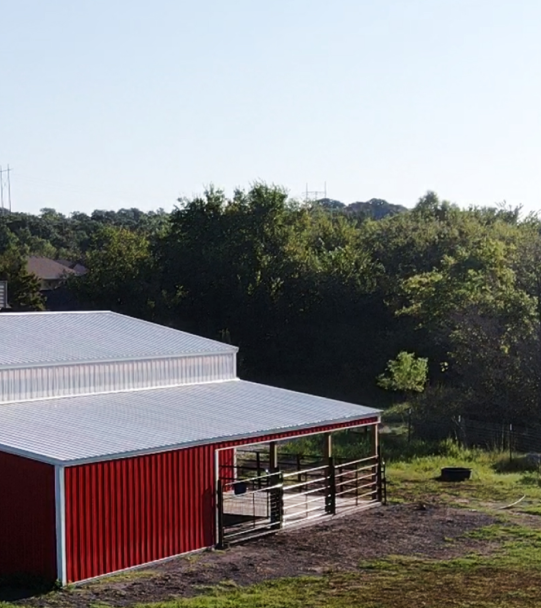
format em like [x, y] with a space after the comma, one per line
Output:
[510, 576]
[507, 573]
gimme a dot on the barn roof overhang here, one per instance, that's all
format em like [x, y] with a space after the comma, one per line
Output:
[74, 430]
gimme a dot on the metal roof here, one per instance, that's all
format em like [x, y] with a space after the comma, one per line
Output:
[73, 429]
[49, 338]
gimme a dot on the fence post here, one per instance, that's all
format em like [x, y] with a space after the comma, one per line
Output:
[277, 489]
[384, 481]
[462, 432]
[409, 425]
[379, 480]
[510, 442]
[277, 500]
[330, 507]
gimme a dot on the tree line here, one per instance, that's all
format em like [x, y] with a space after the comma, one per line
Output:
[440, 301]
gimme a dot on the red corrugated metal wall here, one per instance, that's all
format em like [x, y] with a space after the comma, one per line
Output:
[27, 517]
[122, 513]
[127, 512]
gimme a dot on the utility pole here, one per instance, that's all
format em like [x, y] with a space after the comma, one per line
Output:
[8, 184]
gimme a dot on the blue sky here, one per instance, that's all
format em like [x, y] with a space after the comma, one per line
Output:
[116, 103]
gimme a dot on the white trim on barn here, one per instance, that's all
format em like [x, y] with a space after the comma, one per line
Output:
[60, 510]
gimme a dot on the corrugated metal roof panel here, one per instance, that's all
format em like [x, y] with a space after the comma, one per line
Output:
[46, 338]
[120, 424]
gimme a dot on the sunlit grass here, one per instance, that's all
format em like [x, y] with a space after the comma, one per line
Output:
[417, 480]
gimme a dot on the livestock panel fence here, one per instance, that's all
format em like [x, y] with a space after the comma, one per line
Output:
[254, 500]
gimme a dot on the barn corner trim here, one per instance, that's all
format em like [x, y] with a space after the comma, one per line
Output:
[60, 510]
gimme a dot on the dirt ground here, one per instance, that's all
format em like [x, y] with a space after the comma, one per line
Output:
[333, 544]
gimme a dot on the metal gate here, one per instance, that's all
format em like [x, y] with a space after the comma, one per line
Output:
[305, 494]
[249, 507]
[252, 502]
[359, 483]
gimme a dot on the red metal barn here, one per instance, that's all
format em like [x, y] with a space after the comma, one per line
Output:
[115, 434]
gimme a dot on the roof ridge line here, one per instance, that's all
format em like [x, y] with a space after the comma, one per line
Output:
[59, 312]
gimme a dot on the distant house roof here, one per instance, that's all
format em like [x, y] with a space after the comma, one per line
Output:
[75, 266]
[47, 269]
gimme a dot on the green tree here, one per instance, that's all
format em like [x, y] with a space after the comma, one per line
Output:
[405, 374]
[120, 273]
[23, 287]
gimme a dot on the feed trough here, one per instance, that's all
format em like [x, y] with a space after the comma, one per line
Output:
[455, 474]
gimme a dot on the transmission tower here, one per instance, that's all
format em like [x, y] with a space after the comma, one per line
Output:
[315, 195]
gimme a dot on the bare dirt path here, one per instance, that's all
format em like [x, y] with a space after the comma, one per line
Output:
[337, 544]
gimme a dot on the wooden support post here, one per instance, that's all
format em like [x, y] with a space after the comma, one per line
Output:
[375, 452]
[375, 439]
[273, 456]
[327, 446]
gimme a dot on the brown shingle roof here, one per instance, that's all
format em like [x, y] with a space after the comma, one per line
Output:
[47, 269]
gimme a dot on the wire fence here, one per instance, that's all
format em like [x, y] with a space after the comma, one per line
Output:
[472, 432]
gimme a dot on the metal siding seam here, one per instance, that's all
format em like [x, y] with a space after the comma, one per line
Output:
[183, 515]
[186, 490]
[176, 502]
[117, 490]
[146, 492]
[88, 479]
[154, 516]
[84, 483]
[194, 498]
[93, 503]
[122, 517]
[158, 535]
[168, 501]
[165, 512]
[131, 513]
[198, 498]
[120, 520]
[60, 509]
[215, 532]
[155, 535]
[112, 537]
[106, 504]
[102, 499]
